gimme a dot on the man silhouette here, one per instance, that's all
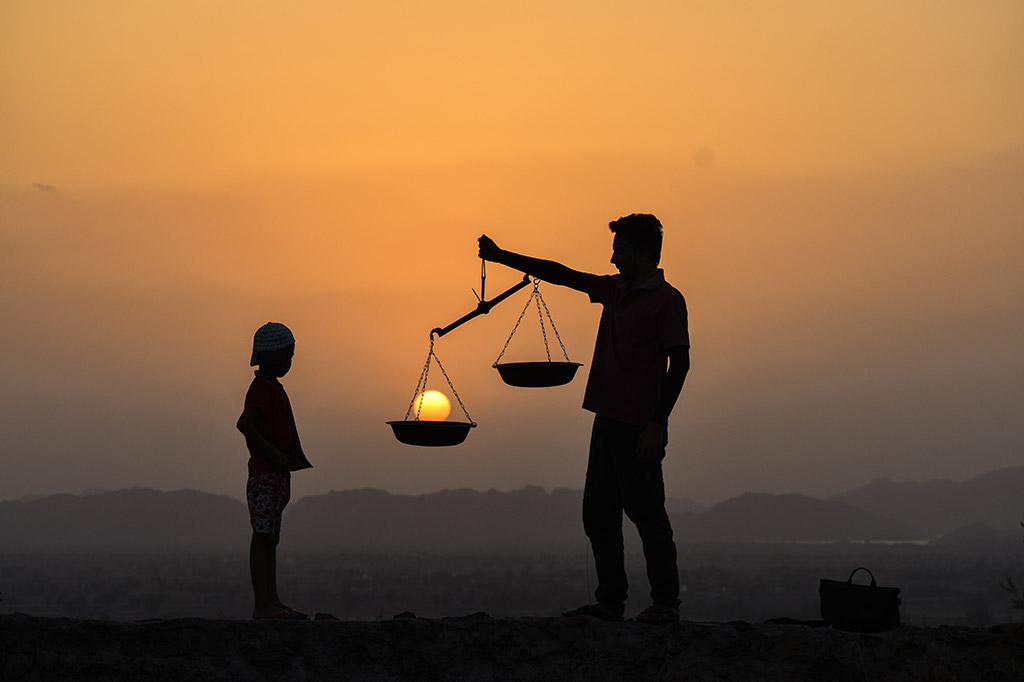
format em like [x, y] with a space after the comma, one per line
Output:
[641, 360]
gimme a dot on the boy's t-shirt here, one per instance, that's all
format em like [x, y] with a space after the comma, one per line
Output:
[276, 423]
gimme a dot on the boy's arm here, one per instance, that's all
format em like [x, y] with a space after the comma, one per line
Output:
[654, 437]
[247, 425]
[547, 270]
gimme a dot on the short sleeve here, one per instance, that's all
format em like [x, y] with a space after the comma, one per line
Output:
[600, 288]
[674, 328]
[260, 395]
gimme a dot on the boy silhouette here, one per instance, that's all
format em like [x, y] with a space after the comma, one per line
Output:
[274, 452]
[641, 359]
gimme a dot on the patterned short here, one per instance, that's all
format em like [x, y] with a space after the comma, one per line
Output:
[267, 495]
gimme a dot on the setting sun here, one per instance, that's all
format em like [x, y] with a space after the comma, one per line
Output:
[433, 406]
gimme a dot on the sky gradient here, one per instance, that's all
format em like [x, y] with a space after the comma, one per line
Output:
[840, 186]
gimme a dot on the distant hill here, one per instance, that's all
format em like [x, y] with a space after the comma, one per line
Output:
[759, 517]
[522, 521]
[464, 520]
[526, 520]
[979, 536]
[532, 520]
[940, 506]
[682, 505]
[529, 520]
[136, 519]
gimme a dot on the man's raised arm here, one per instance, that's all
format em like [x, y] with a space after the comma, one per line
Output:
[546, 270]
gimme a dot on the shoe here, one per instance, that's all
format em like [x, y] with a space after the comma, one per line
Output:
[283, 614]
[658, 614]
[599, 611]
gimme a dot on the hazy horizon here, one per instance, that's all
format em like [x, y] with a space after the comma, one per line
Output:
[547, 489]
[840, 190]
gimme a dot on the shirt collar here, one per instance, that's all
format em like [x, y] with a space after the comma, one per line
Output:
[656, 280]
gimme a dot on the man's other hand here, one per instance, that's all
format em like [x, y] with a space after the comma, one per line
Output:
[488, 249]
[653, 439]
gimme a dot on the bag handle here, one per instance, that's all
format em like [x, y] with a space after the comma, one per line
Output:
[862, 568]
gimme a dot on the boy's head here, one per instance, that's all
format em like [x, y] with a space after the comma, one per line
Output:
[272, 345]
[641, 231]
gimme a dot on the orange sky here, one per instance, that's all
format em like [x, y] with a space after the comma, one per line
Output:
[174, 175]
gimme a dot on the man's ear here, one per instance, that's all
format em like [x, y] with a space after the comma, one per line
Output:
[647, 253]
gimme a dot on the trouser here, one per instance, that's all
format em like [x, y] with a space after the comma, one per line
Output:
[617, 482]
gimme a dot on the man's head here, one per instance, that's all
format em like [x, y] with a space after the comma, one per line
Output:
[637, 242]
[272, 348]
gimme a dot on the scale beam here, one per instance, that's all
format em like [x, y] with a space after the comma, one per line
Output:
[482, 308]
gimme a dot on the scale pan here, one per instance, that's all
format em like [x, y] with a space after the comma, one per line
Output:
[537, 374]
[431, 434]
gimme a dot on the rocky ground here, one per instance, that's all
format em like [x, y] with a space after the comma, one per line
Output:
[478, 647]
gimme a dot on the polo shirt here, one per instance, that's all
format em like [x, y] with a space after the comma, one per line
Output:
[276, 423]
[637, 328]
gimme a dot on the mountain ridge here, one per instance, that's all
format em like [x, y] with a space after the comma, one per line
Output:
[940, 506]
[762, 517]
[529, 520]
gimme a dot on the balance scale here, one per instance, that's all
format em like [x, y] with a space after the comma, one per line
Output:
[539, 374]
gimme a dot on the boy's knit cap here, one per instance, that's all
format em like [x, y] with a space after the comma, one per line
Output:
[270, 337]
